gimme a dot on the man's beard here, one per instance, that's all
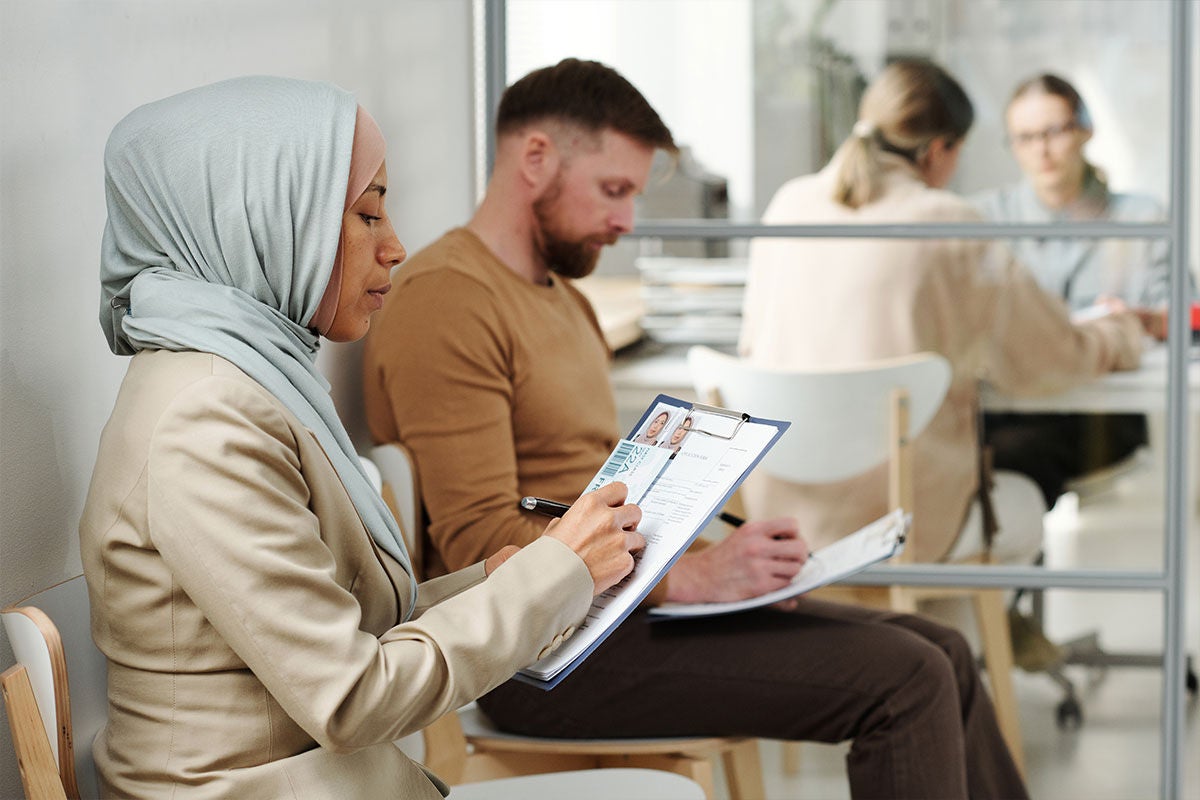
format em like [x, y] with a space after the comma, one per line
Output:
[570, 259]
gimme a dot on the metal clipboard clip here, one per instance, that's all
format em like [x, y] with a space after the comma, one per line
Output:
[739, 418]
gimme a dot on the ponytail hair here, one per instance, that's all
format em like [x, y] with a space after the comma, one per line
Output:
[911, 103]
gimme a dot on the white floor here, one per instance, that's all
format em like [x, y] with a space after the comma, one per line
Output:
[1115, 754]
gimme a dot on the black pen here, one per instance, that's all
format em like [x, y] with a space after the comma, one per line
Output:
[737, 522]
[543, 506]
[552, 508]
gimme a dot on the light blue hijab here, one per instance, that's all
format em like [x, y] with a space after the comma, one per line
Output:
[224, 216]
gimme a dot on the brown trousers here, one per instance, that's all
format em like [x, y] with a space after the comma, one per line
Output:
[905, 689]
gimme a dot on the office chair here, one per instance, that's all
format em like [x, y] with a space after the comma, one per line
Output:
[1085, 650]
[495, 752]
[844, 422]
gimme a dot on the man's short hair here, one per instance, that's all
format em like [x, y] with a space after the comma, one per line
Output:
[588, 94]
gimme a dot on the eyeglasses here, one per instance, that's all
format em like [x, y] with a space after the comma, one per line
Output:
[1045, 135]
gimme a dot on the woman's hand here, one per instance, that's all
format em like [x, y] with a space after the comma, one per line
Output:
[499, 557]
[1154, 321]
[602, 530]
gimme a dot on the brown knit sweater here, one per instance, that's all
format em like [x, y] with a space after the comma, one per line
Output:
[499, 387]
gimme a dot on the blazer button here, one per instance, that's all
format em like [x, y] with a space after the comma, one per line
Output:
[545, 651]
[567, 633]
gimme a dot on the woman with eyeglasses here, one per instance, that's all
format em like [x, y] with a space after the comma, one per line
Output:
[1048, 128]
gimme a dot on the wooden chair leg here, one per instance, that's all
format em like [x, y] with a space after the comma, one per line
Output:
[902, 598]
[791, 757]
[701, 771]
[743, 771]
[446, 748]
[992, 619]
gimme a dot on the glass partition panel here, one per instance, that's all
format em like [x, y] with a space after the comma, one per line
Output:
[759, 91]
[1113, 645]
[1075, 418]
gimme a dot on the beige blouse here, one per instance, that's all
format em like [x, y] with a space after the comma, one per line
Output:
[820, 302]
[253, 630]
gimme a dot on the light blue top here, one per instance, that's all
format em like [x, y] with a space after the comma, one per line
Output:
[1081, 270]
[225, 210]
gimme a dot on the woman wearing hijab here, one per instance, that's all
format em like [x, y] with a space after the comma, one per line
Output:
[264, 633]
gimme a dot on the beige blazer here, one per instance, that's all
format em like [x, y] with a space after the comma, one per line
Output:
[251, 624]
[814, 303]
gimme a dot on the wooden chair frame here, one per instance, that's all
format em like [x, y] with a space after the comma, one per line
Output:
[38, 700]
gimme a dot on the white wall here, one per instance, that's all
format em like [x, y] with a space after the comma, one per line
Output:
[700, 93]
[68, 72]
[1116, 53]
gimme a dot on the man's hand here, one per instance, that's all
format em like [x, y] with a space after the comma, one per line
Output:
[757, 558]
[602, 529]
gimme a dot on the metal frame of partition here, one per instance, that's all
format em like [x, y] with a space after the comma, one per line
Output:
[1170, 581]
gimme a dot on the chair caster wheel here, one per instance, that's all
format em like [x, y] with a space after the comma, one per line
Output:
[1069, 714]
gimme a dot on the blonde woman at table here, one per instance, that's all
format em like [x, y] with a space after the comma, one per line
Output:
[814, 303]
[1048, 128]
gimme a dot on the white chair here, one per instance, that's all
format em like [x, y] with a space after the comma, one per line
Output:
[844, 422]
[55, 697]
[494, 753]
[59, 681]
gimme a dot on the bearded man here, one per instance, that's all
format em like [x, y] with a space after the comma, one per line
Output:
[490, 367]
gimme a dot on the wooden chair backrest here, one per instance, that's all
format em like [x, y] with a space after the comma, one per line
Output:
[51, 637]
[842, 419]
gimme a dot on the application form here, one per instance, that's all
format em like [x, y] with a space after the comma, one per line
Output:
[680, 482]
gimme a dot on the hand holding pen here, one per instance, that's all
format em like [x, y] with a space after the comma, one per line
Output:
[540, 505]
[753, 559]
[602, 530]
[553, 508]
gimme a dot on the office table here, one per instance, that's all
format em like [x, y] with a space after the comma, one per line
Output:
[1141, 390]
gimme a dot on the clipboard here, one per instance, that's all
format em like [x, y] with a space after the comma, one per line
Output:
[680, 490]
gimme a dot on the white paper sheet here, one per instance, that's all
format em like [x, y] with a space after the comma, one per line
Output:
[869, 545]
